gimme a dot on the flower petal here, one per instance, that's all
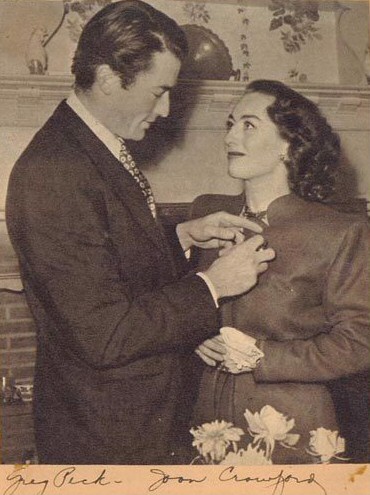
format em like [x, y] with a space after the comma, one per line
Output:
[291, 438]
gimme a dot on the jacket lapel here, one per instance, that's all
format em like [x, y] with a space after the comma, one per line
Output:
[115, 175]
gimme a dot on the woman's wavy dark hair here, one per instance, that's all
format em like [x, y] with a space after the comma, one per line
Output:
[314, 149]
[125, 35]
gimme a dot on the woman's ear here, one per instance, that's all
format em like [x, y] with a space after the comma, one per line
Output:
[283, 155]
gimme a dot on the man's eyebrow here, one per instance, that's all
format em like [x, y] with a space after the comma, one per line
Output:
[165, 87]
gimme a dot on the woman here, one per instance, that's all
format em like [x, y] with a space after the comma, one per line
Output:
[309, 312]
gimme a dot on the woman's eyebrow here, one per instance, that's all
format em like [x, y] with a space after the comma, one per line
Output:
[249, 116]
[243, 117]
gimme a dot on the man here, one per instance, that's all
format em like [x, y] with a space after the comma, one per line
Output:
[113, 315]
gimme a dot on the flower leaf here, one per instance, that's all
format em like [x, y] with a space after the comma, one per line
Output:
[276, 23]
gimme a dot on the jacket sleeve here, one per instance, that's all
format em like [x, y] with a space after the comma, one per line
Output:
[344, 349]
[58, 226]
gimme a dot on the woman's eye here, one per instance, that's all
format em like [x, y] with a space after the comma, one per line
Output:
[248, 125]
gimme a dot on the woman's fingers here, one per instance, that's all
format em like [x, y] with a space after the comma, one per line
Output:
[205, 358]
[212, 350]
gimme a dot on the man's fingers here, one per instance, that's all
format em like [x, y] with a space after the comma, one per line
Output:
[262, 267]
[251, 244]
[224, 233]
[226, 244]
[239, 237]
[266, 255]
[257, 243]
[228, 220]
[254, 242]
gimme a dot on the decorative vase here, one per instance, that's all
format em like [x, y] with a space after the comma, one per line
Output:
[36, 56]
[367, 64]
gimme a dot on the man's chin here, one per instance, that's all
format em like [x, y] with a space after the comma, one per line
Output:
[138, 136]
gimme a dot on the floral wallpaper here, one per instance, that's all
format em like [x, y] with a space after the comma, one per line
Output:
[291, 40]
[79, 12]
[295, 19]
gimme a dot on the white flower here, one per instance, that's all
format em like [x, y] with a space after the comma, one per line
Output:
[212, 439]
[326, 444]
[270, 426]
[250, 457]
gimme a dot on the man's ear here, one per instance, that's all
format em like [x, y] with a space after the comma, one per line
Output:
[106, 79]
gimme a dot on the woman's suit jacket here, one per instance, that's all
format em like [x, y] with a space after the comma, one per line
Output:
[309, 311]
[113, 317]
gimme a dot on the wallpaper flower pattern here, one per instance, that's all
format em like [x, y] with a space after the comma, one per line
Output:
[295, 20]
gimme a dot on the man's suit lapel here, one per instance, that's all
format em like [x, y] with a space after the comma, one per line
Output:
[111, 170]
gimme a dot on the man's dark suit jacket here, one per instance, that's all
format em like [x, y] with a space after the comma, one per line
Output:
[113, 316]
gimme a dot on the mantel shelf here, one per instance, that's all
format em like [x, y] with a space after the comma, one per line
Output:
[64, 83]
[27, 101]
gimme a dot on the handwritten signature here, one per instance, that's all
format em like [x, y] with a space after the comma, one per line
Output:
[230, 474]
[66, 476]
[165, 478]
[277, 482]
[69, 476]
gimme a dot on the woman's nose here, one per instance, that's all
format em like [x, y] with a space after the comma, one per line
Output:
[230, 136]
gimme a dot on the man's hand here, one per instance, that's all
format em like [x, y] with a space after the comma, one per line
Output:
[217, 230]
[237, 269]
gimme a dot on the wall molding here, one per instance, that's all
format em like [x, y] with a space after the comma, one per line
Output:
[27, 101]
[198, 106]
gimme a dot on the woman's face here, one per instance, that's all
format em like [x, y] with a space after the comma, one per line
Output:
[254, 147]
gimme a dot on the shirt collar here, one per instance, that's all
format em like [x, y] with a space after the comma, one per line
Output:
[105, 135]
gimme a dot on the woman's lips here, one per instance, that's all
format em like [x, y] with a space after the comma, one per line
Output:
[235, 153]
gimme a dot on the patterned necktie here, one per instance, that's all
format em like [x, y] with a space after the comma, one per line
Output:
[130, 165]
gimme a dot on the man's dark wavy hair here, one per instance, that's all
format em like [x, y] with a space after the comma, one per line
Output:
[125, 35]
[314, 149]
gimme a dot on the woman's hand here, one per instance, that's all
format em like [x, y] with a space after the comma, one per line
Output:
[233, 350]
[212, 351]
[242, 354]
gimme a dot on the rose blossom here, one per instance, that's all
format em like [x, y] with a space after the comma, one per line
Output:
[270, 426]
[326, 444]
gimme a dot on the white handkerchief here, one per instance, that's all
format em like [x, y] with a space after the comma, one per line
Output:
[241, 352]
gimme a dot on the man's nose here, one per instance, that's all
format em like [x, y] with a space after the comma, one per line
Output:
[163, 105]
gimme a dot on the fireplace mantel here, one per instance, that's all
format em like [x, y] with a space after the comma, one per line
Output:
[27, 101]
[199, 107]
